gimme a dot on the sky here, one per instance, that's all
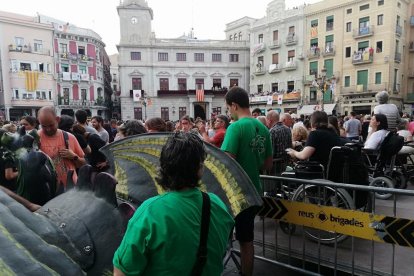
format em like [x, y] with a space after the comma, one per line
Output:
[171, 18]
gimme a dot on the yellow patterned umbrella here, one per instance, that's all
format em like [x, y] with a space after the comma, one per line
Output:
[134, 162]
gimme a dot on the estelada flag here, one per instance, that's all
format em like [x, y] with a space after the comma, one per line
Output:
[200, 95]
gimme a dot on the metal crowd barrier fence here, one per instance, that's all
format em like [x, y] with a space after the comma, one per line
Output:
[314, 225]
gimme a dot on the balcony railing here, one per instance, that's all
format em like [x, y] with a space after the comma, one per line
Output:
[369, 88]
[78, 103]
[363, 31]
[275, 44]
[398, 30]
[397, 57]
[291, 39]
[260, 70]
[275, 68]
[28, 49]
[362, 58]
[314, 53]
[290, 65]
[76, 57]
[179, 93]
[328, 51]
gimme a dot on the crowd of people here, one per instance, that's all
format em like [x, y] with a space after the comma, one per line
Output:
[157, 238]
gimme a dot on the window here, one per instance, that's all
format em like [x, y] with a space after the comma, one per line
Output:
[136, 84]
[137, 56]
[312, 94]
[38, 45]
[165, 114]
[164, 85]
[314, 42]
[63, 48]
[275, 87]
[240, 36]
[348, 27]
[65, 67]
[329, 43]
[162, 56]
[364, 7]
[49, 68]
[199, 84]
[199, 57]
[329, 23]
[399, 4]
[378, 78]
[291, 55]
[41, 67]
[182, 111]
[314, 23]
[379, 47]
[181, 56]
[347, 81]
[37, 95]
[216, 84]
[275, 35]
[19, 41]
[234, 57]
[16, 93]
[138, 113]
[348, 11]
[81, 50]
[380, 19]
[182, 84]
[290, 86]
[234, 82]
[216, 57]
[43, 95]
[50, 94]
[260, 63]
[380, 2]
[260, 38]
[260, 88]
[82, 69]
[347, 52]
[83, 94]
[363, 45]
[275, 58]
[313, 68]
[292, 30]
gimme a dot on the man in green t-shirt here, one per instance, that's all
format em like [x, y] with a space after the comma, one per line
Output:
[248, 141]
[163, 236]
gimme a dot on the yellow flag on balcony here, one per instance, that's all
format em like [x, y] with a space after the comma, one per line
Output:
[32, 78]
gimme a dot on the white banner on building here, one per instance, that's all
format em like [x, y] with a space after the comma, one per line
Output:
[279, 99]
[137, 95]
[269, 100]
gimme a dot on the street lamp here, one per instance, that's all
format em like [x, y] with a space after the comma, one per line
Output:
[321, 84]
[143, 100]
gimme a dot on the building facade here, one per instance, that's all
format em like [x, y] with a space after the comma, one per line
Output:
[27, 73]
[361, 45]
[79, 59]
[116, 88]
[160, 77]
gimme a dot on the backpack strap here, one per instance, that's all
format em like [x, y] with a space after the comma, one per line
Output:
[66, 138]
[202, 247]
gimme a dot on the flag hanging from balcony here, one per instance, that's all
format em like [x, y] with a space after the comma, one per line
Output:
[136, 95]
[280, 99]
[32, 78]
[200, 95]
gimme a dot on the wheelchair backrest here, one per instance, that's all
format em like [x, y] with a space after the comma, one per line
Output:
[391, 145]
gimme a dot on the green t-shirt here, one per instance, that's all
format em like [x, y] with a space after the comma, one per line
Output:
[249, 140]
[162, 237]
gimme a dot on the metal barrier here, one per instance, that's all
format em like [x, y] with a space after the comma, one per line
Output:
[370, 241]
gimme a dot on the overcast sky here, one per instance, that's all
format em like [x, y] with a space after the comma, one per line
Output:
[171, 18]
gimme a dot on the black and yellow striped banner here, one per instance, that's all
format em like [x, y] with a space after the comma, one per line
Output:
[31, 81]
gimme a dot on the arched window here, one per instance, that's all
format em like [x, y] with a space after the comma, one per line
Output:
[240, 36]
[235, 36]
[231, 37]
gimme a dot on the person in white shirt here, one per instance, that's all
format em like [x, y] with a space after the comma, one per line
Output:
[379, 126]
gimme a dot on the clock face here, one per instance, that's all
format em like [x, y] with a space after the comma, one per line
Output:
[134, 20]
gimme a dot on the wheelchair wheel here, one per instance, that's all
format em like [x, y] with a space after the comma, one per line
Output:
[383, 182]
[325, 196]
[399, 179]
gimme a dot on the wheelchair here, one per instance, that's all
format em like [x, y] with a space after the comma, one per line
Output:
[342, 161]
[385, 169]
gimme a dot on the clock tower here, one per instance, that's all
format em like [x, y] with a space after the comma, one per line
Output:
[135, 22]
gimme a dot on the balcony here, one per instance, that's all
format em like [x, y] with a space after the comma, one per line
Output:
[259, 70]
[258, 48]
[363, 31]
[75, 57]
[370, 88]
[275, 44]
[70, 103]
[291, 65]
[398, 30]
[274, 68]
[291, 39]
[28, 49]
[181, 93]
[31, 102]
[313, 53]
[397, 57]
[328, 51]
[362, 58]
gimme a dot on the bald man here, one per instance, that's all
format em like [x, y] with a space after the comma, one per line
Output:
[52, 142]
[281, 138]
[287, 120]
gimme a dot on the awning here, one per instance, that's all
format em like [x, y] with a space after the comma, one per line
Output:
[309, 109]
